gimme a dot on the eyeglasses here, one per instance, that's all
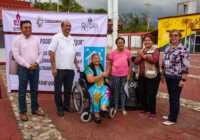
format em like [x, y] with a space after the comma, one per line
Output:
[29, 27]
[174, 36]
[67, 26]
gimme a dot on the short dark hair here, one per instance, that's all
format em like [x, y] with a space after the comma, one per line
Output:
[148, 35]
[118, 39]
[24, 21]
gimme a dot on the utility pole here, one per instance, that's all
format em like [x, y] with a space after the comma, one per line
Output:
[148, 16]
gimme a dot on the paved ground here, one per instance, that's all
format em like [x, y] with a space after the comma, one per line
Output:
[120, 127]
[8, 126]
[191, 89]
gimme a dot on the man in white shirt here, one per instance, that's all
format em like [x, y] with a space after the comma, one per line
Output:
[63, 58]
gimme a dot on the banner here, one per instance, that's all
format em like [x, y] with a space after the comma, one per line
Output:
[89, 32]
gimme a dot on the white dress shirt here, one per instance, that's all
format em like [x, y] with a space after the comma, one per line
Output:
[64, 50]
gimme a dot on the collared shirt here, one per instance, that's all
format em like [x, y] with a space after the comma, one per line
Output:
[27, 51]
[64, 50]
[179, 62]
[154, 60]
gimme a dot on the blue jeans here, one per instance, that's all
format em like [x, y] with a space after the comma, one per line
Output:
[26, 75]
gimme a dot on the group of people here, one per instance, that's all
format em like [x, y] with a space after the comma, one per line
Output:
[28, 53]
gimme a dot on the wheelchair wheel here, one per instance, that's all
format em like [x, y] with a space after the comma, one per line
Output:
[112, 113]
[85, 117]
[78, 99]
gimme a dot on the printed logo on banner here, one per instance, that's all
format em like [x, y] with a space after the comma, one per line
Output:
[17, 22]
[48, 22]
[88, 51]
[40, 21]
[89, 26]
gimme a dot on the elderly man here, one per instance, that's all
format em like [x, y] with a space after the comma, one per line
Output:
[63, 58]
[28, 53]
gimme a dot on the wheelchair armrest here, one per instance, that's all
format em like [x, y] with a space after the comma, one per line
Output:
[81, 80]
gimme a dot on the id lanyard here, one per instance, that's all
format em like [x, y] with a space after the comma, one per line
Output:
[171, 52]
[167, 61]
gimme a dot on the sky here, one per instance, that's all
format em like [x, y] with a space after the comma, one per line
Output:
[158, 8]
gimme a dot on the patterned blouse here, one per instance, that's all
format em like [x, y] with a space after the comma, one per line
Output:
[179, 61]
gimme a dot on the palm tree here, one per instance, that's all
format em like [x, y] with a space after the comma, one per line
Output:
[135, 24]
[66, 5]
[71, 6]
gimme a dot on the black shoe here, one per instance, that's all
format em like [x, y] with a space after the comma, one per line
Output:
[69, 110]
[98, 121]
[104, 112]
[60, 113]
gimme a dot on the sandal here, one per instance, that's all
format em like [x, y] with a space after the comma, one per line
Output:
[124, 112]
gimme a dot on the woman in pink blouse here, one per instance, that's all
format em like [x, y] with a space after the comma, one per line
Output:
[148, 74]
[120, 71]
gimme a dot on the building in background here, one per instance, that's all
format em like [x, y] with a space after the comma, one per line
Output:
[11, 5]
[189, 25]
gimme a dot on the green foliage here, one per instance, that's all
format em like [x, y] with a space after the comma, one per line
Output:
[90, 10]
[100, 11]
[134, 22]
[65, 6]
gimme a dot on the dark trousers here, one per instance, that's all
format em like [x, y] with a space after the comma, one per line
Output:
[148, 89]
[66, 77]
[24, 75]
[174, 98]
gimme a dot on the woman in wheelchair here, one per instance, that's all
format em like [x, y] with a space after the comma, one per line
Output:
[99, 92]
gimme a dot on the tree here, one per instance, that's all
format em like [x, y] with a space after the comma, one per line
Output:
[71, 6]
[100, 11]
[90, 10]
[134, 22]
[65, 6]
[126, 19]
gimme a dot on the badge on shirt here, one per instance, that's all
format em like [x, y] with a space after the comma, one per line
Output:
[167, 63]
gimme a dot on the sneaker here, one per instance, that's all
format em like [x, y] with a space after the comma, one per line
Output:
[142, 112]
[152, 116]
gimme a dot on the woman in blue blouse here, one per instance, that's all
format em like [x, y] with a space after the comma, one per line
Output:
[175, 67]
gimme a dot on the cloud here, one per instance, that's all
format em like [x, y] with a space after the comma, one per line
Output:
[158, 8]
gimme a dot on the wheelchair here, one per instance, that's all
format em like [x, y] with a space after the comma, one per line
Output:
[80, 95]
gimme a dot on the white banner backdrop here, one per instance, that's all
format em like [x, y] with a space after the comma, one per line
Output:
[89, 32]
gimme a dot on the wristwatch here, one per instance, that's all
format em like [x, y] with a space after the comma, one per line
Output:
[183, 80]
[36, 63]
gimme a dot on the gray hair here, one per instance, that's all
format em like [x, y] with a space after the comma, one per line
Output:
[93, 55]
[175, 30]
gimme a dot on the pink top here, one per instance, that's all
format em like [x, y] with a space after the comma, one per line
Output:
[120, 62]
[27, 51]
